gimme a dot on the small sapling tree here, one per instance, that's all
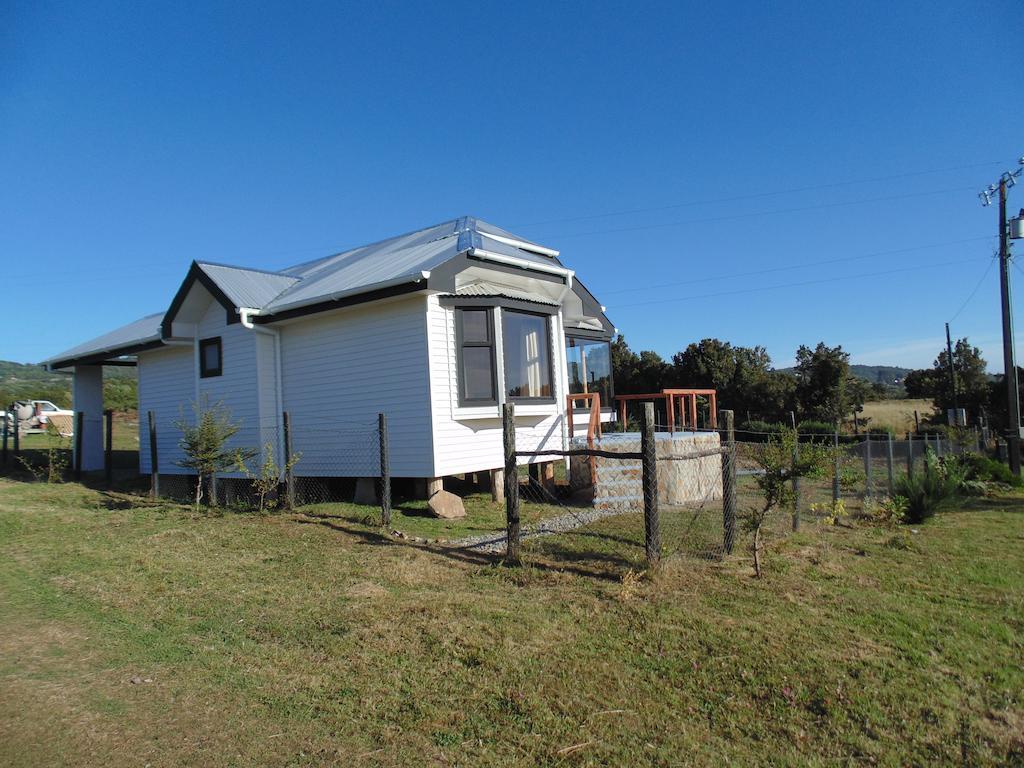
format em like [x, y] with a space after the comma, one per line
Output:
[204, 443]
[267, 482]
[779, 464]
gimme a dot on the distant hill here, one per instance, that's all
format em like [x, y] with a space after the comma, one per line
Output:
[876, 374]
[880, 374]
[29, 381]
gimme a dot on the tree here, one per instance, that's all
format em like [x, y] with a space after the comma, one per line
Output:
[637, 373]
[972, 381]
[204, 444]
[823, 382]
[743, 376]
[922, 383]
[780, 462]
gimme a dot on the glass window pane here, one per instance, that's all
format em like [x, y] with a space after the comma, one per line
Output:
[474, 325]
[574, 359]
[477, 377]
[598, 363]
[211, 357]
[527, 367]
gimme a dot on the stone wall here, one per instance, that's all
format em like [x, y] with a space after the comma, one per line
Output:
[618, 483]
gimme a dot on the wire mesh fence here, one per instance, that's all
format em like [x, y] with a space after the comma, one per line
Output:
[696, 493]
[280, 463]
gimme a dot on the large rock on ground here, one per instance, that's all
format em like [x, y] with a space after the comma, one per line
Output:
[446, 505]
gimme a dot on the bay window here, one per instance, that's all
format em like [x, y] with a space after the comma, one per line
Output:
[526, 352]
[475, 336]
[590, 368]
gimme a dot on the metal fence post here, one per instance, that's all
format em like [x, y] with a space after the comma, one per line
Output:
[795, 479]
[728, 482]
[508, 423]
[154, 467]
[835, 467]
[385, 471]
[108, 448]
[289, 477]
[868, 488]
[889, 458]
[6, 428]
[17, 432]
[649, 463]
[910, 453]
[79, 429]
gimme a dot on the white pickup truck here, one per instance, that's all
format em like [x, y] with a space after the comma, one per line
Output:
[37, 413]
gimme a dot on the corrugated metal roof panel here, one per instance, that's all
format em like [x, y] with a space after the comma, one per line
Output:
[488, 290]
[248, 287]
[142, 331]
[362, 268]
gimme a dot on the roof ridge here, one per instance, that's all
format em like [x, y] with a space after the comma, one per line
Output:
[276, 273]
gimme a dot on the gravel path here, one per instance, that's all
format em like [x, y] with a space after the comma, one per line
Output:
[495, 542]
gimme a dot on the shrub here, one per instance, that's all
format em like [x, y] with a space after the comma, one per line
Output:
[926, 491]
[986, 470]
[764, 427]
[882, 431]
[815, 428]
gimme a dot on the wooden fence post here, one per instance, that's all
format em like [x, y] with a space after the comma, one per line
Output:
[796, 480]
[79, 429]
[835, 466]
[508, 423]
[868, 487]
[289, 476]
[154, 466]
[108, 447]
[649, 464]
[385, 471]
[889, 458]
[727, 419]
[6, 428]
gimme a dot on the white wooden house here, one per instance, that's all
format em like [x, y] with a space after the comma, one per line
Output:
[436, 328]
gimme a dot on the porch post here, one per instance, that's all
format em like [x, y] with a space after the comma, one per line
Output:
[87, 399]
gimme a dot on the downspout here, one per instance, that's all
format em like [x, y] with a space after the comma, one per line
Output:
[245, 315]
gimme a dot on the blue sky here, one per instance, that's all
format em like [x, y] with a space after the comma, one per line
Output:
[770, 174]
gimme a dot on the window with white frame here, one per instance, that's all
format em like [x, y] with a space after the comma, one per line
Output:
[526, 349]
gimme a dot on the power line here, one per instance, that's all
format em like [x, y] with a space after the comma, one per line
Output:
[776, 212]
[770, 270]
[757, 195]
[793, 285]
[967, 301]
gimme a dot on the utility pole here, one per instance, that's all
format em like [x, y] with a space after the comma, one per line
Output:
[952, 371]
[1009, 364]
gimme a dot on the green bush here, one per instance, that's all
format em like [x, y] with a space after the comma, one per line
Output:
[815, 428]
[765, 427]
[986, 470]
[926, 491]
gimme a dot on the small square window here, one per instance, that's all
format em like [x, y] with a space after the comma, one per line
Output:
[210, 357]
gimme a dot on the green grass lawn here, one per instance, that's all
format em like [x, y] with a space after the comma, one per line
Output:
[134, 633]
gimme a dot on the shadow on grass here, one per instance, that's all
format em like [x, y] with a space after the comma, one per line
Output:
[569, 561]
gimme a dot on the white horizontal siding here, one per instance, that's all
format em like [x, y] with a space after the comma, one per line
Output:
[343, 368]
[237, 388]
[473, 445]
[167, 386]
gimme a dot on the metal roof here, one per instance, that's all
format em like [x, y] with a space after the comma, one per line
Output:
[247, 287]
[483, 289]
[143, 331]
[404, 258]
